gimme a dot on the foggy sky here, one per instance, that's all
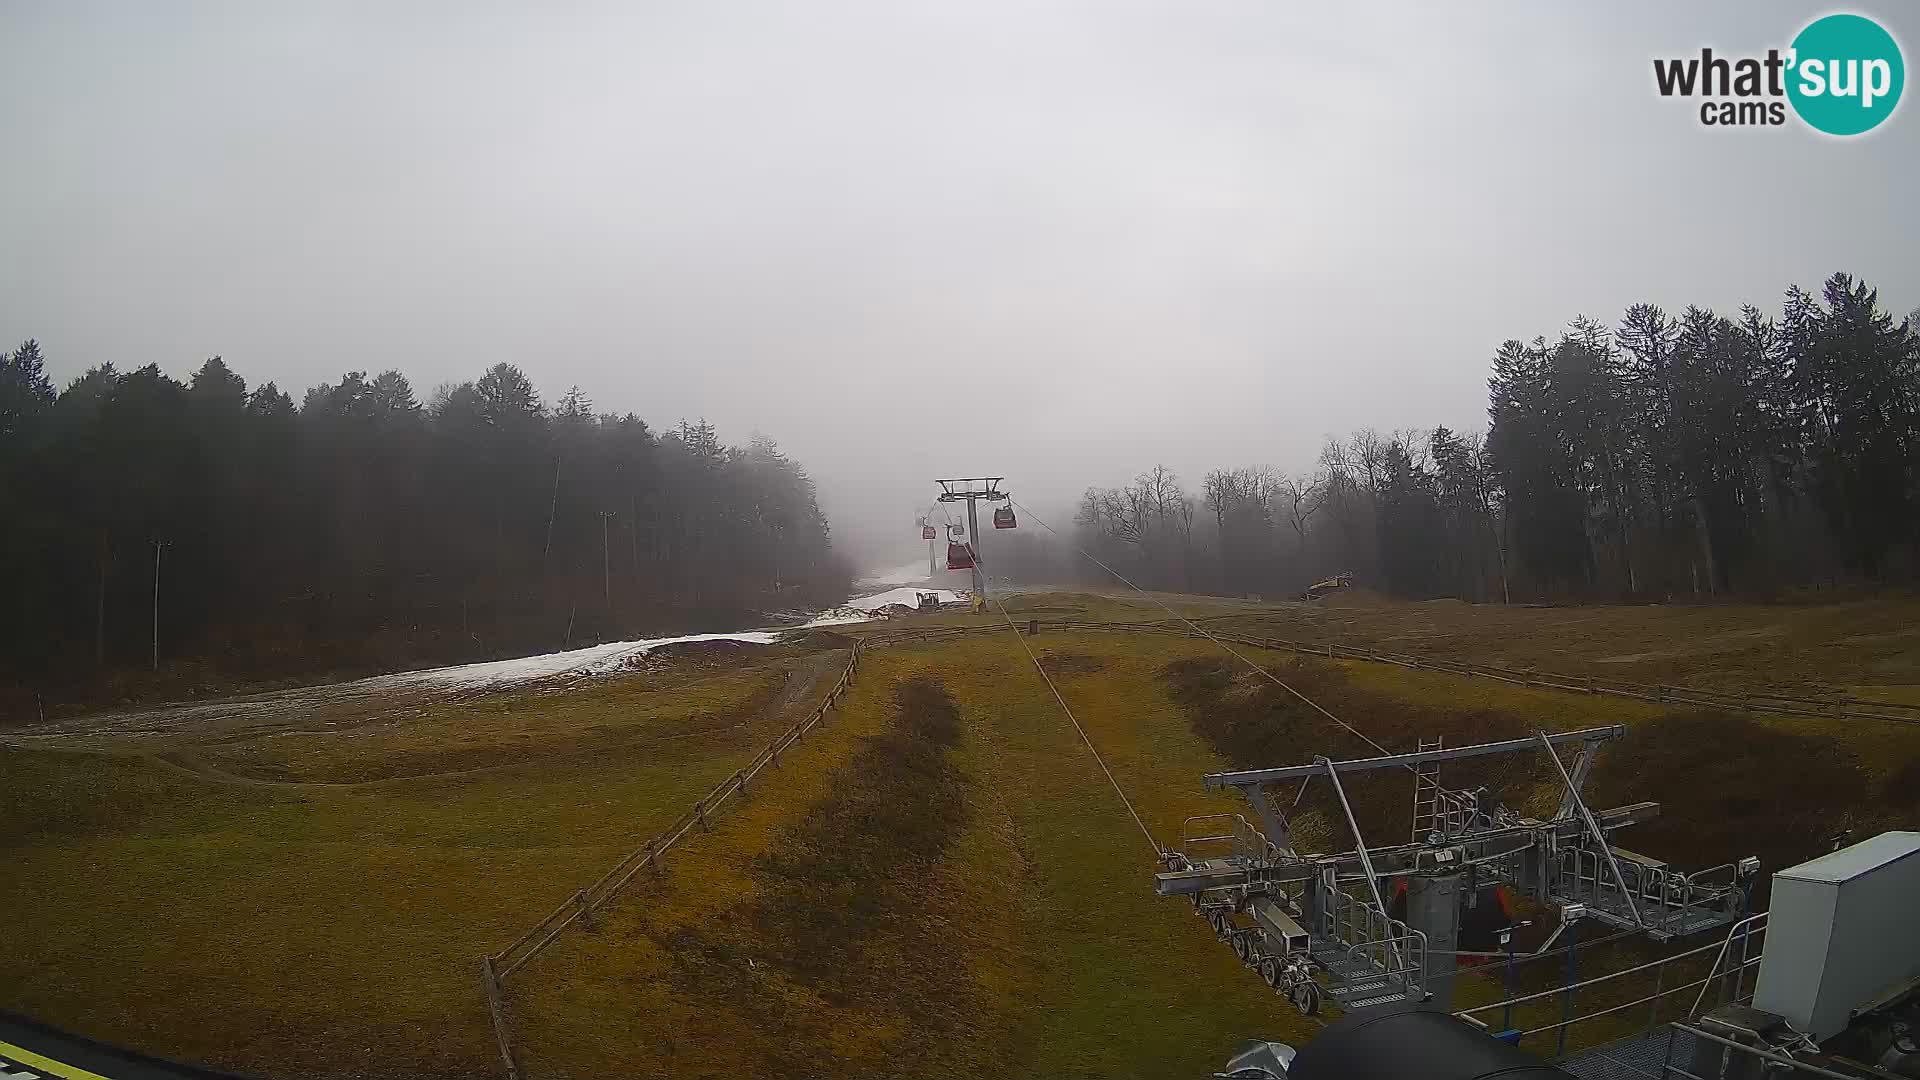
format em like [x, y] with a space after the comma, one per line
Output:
[1057, 242]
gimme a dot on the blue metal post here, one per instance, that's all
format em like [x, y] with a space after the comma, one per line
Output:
[1573, 976]
[1506, 1019]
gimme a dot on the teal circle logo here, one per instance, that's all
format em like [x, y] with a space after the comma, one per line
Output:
[1846, 74]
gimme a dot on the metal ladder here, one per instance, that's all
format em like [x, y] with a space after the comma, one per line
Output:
[1426, 794]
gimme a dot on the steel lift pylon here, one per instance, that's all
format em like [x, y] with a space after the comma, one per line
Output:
[970, 490]
[1319, 926]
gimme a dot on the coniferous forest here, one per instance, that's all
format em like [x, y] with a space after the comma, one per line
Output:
[220, 532]
[1665, 457]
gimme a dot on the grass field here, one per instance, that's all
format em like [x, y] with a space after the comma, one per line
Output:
[941, 881]
[306, 928]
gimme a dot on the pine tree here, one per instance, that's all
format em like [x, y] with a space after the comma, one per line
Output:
[25, 393]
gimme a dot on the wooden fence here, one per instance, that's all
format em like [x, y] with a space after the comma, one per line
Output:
[585, 904]
[1836, 706]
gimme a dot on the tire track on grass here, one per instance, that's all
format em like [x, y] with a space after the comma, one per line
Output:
[847, 957]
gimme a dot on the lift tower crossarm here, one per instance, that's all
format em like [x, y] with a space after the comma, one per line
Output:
[971, 490]
[991, 492]
[1256, 777]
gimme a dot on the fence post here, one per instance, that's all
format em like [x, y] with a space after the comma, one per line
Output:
[1033, 627]
[700, 813]
[496, 1010]
[587, 921]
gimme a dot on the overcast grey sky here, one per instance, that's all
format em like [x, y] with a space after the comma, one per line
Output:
[1059, 242]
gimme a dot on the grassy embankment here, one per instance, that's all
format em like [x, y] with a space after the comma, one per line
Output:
[230, 903]
[943, 878]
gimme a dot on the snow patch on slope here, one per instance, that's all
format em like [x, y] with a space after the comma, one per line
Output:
[908, 596]
[913, 573]
[593, 660]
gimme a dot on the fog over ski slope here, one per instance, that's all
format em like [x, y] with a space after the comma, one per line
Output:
[1060, 243]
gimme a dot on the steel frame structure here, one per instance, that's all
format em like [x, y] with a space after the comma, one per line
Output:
[970, 490]
[1318, 924]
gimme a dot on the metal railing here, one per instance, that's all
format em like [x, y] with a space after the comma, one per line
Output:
[1745, 932]
[1390, 947]
[1728, 968]
[1769, 1060]
[1243, 842]
[1776, 1060]
[1454, 812]
[1671, 897]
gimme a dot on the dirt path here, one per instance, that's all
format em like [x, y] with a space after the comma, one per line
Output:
[808, 680]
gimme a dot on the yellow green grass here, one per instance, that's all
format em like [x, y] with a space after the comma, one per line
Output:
[311, 930]
[1070, 965]
[1870, 647]
[315, 903]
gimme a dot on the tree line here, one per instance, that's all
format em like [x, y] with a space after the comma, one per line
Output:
[1666, 457]
[228, 532]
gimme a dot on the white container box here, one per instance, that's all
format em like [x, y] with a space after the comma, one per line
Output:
[1844, 928]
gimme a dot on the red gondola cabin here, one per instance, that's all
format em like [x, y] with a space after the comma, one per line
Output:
[959, 556]
[1003, 518]
[926, 532]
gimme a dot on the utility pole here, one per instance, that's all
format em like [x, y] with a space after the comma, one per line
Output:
[971, 490]
[606, 565]
[553, 504]
[158, 546]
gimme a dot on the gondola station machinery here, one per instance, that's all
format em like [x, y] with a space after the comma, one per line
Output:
[1843, 942]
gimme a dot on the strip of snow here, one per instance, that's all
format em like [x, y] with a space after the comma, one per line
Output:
[912, 573]
[838, 617]
[593, 660]
[908, 596]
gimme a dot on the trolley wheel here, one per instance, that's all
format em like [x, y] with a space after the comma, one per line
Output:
[1243, 948]
[1305, 996]
[1221, 923]
[1271, 971]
